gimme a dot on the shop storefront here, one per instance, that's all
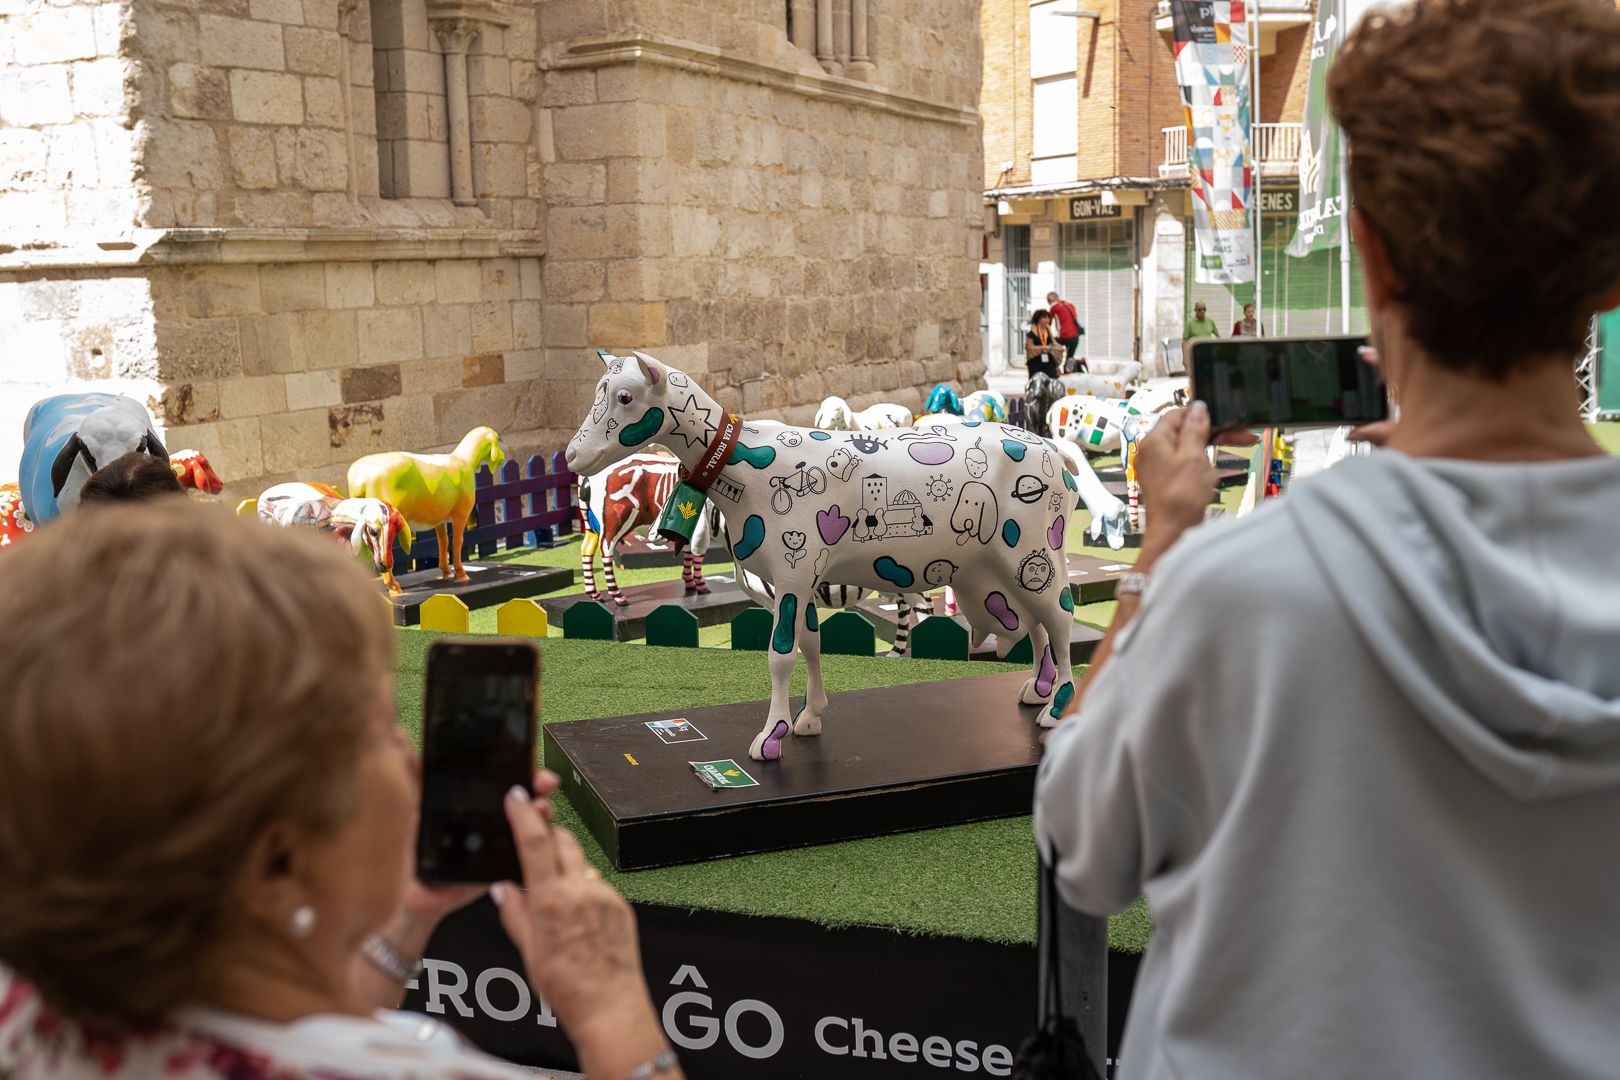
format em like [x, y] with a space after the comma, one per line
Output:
[1097, 274]
[1299, 296]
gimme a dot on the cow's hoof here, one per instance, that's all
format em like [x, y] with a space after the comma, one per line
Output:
[1029, 695]
[621, 601]
[768, 744]
[807, 723]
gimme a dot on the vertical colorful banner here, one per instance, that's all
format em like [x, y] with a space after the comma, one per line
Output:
[1212, 66]
[1321, 203]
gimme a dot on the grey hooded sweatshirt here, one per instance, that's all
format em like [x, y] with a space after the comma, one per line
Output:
[1361, 751]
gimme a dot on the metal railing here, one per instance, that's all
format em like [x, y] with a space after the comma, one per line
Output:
[1276, 148]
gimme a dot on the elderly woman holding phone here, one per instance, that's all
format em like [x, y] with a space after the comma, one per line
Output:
[207, 821]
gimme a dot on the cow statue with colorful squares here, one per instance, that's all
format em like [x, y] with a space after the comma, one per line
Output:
[979, 507]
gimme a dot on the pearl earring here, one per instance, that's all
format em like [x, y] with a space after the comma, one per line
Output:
[302, 922]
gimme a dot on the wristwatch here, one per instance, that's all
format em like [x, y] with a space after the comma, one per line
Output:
[1132, 583]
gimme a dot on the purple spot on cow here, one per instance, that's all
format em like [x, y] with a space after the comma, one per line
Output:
[996, 604]
[1047, 675]
[931, 453]
[832, 524]
[771, 748]
[1054, 535]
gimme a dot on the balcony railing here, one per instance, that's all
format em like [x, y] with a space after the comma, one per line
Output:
[1276, 148]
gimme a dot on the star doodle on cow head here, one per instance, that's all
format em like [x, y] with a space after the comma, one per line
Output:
[866, 444]
[694, 422]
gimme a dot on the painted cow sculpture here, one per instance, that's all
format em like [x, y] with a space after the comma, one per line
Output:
[981, 507]
[627, 497]
[433, 491]
[366, 525]
[68, 437]
[836, 415]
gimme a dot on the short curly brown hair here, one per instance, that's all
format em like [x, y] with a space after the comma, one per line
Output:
[174, 678]
[1484, 149]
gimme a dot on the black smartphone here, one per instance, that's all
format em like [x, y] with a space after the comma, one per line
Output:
[477, 744]
[1287, 382]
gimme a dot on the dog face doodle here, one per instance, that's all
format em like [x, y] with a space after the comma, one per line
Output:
[976, 515]
[1036, 572]
[842, 464]
[790, 438]
[866, 444]
[880, 516]
[939, 573]
[976, 460]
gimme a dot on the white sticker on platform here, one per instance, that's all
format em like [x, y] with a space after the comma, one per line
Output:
[678, 730]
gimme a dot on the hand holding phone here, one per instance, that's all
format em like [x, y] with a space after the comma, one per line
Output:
[1287, 383]
[477, 744]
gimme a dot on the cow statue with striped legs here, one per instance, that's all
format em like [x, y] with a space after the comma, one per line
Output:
[981, 507]
[626, 497]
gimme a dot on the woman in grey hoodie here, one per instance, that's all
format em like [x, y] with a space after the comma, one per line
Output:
[1361, 750]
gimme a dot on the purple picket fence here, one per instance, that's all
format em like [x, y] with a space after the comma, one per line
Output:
[532, 507]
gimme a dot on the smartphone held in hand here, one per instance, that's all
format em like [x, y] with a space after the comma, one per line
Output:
[477, 744]
[1287, 382]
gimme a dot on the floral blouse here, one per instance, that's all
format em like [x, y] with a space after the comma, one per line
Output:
[38, 1043]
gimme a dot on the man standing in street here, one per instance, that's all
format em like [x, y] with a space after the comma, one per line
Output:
[1068, 329]
[1200, 325]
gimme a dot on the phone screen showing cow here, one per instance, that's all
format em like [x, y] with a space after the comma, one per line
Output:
[1287, 382]
[477, 744]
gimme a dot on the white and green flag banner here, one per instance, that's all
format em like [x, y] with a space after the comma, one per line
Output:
[1322, 206]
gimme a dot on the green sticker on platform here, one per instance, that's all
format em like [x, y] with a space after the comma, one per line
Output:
[723, 774]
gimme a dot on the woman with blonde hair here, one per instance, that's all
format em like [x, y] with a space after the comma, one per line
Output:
[207, 817]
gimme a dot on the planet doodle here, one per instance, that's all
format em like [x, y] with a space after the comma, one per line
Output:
[1028, 488]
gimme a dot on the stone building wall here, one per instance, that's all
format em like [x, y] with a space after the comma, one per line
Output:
[264, 217]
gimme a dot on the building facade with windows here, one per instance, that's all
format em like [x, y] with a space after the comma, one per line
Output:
[304, 230]
[1086, 186]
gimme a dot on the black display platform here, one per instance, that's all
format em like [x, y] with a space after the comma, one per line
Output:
[491, 584]
[885, 617]
[1092, 580]
[724, 601]
[889, 760]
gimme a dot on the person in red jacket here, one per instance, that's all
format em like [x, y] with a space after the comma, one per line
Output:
[1068, 329]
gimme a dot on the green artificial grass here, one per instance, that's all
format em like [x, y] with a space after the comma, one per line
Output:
[1607, 436]
[972, 881]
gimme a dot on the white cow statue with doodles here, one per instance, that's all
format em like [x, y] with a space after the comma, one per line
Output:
[976, 506]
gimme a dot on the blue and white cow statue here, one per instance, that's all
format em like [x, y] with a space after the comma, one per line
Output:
[69, 436]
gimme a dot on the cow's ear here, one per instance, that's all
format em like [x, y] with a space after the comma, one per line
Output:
[651, 369]
[63, 465]
[604, 356]
[153, 445]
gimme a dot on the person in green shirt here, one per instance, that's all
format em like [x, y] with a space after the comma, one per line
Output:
[1200, 325]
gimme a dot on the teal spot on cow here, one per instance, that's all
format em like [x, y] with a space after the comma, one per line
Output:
[1014, 449]
[1066, 600]
[886, 568]
[786, 611]
[820, 436]
[1010, 532]
[1068, 481]
[650, 424]
[812, 621]
[759, 457]
[753, 535]
[1061, 699]
[971, 423]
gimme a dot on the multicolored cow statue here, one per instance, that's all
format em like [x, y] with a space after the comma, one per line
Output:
[431, 490]
[14, 520]
[70, 436]
[981, 507]
[987, 405]
[1104, 378]
[627, 497]
[836, 415]
[194, 472]
[369, 525]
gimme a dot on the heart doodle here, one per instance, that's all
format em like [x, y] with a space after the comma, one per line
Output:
[832, 524]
